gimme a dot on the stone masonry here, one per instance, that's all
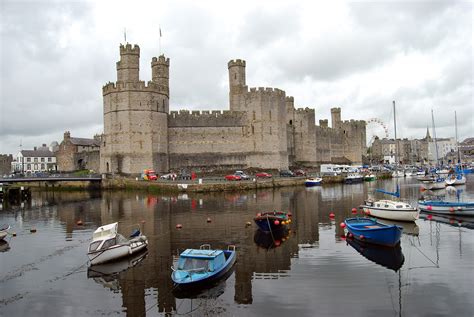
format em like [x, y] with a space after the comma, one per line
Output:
[262, 129]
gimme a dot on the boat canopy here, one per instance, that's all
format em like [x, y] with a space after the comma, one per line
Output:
[200, 254]
[105, 231]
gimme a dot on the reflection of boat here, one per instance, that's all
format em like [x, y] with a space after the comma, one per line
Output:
[4, 231]
[369, 230]
[113, 268]
[268, 240]
[409, 227]
[391, 258]
[316, 181]
[447, 207]
[353, 178]
[370, 177]
[434, 183]
[390, 209]
[108, 245]
[457, 221]
[4, 246]
[272, 221]
[198, 267]
[455, 179]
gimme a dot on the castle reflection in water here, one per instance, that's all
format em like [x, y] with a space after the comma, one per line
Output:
[228, 212]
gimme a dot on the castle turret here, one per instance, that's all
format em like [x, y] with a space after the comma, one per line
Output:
[128, 67]
[236, 82]
[335, 117]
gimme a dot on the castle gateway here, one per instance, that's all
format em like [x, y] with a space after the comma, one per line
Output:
[262, 129]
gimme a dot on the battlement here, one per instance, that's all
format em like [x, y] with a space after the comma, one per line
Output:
[214, 118]
[128, 49]
[335, 110]
[353, 122]
[324, 123]
[161, 60]
[303, 111]
[267, 91]
[237, 62]
[119, 86]
[290, 99]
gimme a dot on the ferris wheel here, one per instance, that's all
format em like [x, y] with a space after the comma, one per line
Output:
[375, 128]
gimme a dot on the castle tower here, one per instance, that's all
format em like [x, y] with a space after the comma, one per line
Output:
[335, 117]
[136, 117]
[128, 67]
[237, 84]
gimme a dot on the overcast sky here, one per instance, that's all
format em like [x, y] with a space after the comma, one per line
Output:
[56, 56]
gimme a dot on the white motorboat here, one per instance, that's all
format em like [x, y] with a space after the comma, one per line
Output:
[456, 179]
[4, 231]
[353, 178]
[398, 174]
[437, 183]
[108, 245]
[390, 209]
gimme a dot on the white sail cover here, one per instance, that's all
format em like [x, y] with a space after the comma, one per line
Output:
[107, 231]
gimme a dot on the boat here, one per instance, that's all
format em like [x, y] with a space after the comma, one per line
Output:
[108, 245]
[353, 178]
[390, 209]
[4, 231]
[199, 267]
[434, 183]
[447, 207]
[391, 258]
[314, 181]
[268, 241]
[370, 177]
[398, 174]
[370, 231]
[455, 179]
[272, 221]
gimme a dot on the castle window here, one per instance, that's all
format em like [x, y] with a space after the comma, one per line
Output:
[270, 114]
[253, 131]
[254, 115]
[291, 122]
[163, 105]
[235, 76]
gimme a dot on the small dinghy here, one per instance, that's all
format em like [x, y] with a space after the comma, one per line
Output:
[316, 181]
[108, 245]
[4, 231]
[370, 231]
[272, 221]
[203, 266]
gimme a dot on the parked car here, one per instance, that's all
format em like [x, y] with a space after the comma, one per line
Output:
[233, 177]
[184, 175]
[263, 175]
[299, 173]
[242, 175]
[169, 176]
[149, 175]
[286, 173]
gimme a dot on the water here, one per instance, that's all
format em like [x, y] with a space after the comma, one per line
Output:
[310, 271]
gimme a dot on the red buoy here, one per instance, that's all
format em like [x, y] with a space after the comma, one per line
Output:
[451, 209]
[179, 226]
[332, 215]
[276, 222]
[143, 221]
[429, 217]
[354, 210]
[429, 207]
[289, 214]
[259, 214]
[79, 223]
[277, 243]
[361, 237]
[342, 225]
[351, 235]
[367, 212]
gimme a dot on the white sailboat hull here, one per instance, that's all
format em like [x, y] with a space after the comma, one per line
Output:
[397, 215]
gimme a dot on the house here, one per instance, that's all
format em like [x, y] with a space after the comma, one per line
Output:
[78, 153]
[37, 160]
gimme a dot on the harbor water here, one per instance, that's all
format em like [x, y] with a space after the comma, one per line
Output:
[310, 270]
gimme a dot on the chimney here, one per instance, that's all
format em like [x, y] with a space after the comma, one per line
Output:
[34, 148]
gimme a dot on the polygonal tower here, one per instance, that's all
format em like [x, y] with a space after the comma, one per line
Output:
[136, 117]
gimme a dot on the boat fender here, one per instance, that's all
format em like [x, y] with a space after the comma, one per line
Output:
[459, 208]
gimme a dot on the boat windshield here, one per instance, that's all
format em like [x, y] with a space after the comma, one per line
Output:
[94, 245]
[108, 243]
[193, 264]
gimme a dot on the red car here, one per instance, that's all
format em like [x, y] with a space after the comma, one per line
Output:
[263, 175]
[233, 177]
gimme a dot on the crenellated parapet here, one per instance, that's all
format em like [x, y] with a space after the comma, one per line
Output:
[305, 111]
[236, 62]
[140, 86]
[267, 91]
[214, 118]
[160, 60]
[290, 99]
[128, 49]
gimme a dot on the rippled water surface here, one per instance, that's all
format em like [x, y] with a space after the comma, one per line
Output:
[309, 271]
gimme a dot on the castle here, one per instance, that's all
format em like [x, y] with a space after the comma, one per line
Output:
[262, 129]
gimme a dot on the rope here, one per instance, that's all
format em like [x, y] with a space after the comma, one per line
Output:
[270, 227]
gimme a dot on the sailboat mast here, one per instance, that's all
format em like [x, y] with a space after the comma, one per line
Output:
[456, 130]
[395, 127]
[435, 138]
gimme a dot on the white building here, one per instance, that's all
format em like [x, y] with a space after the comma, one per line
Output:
[445, 146]
[36, 160]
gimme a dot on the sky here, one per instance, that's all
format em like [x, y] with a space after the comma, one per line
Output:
[55, 56]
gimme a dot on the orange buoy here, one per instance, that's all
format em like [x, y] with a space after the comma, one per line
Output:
[354, 210]
[209, 220]
[179, 226]
[342, 225]
[79, 223]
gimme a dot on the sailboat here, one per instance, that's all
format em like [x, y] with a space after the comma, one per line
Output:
[457, 178]
[396, 173]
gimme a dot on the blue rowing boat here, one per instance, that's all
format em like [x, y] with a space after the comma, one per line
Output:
[203, 266]
[371, 231]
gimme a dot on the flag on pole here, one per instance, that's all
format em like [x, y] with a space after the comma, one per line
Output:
[160, 31]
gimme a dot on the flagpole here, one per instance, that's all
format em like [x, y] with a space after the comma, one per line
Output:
[159, 40]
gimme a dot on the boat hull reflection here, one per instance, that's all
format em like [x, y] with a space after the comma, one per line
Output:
[389, 257]
[4, 246]
[409, 228]
[269, 240]
[112, 269]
